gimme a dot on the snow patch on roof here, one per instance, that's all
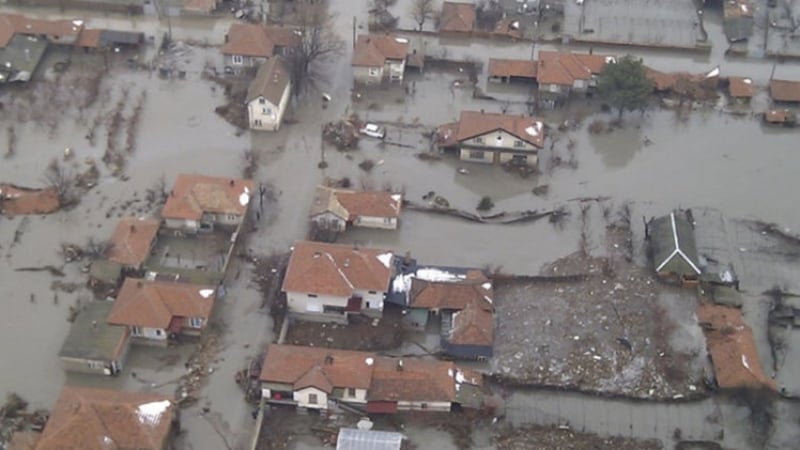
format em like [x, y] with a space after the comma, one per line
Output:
[714, 73]
[534, 129]
[397, 197]
[402, 283]
[487, 285]
[369, 361]
[244, 197]
[206, 293]
[150, 413]
[431, 274]
[744, 362]
[386, 259]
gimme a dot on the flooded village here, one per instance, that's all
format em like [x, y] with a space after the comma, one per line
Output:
[489, 224]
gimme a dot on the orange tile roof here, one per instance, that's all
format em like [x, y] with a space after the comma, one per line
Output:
[740, 87]
[472, 326]
[522, 68]
[333, 269]
[451, 294]
[270, 82]
[777, 115]
[374, 50]
[509, 27]
[200, 5]
[23, 440]
[193, 195]
[100, 419]
[458, 17]
[354, 204]
[661, 81]
[322, 368]
[564, 67]
[257, 40]
[153, 304]
[89, 38]
[476, 123]
[419, 380]
[784, 90]
[132, 239]
[11, 24]
[732, 348]
[16, 200]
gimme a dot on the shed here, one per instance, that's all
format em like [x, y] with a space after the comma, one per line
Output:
[355, 439]
[673, 247]
[93, 345]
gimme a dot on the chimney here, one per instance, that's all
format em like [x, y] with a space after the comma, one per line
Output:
[226, 38]
[139, 284]
[231, 182]
[133, 228]
[317, 254]
[399, 365]
[328, 359]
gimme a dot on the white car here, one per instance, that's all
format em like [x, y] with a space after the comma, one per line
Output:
[373, 130]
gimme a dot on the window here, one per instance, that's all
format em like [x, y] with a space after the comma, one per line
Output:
[261, 101]
[479, 140]
[424, 406]
[476, 154]
[312, 295]
[351, 392]
[96, 365]
[312, 399]
[519, 144]
[136, 331]
[374, 72]
[373, 292]
[238, 60]
[257, 123]
[231, 217]
[333, 309]
[158, 332]
[195, 322]
[266, 111]
[367, 305]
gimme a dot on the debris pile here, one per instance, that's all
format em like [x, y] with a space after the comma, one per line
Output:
[562, 437]
[342, 134]
[198, 368]
[15, 418]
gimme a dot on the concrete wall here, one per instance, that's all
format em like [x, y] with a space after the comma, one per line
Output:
[371, 301]
[360, 397]
[386, 223]
[181, 224]
[302, 398]
[367, 75]
[395, 70]
[300, 302]
[530, 159]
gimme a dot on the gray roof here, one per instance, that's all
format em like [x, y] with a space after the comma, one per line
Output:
[270, 82]
[91, 338]
[105, 271]
[19, 59]
[355, 439]
[738, 29]
[109, 38]
[673, 246]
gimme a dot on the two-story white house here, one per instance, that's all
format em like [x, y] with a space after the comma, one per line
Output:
[494, 138]
[378, 58]
[155, 311]
[562, 73]
[200, 202]
[268, 96]
[335, 209]
[332, 281]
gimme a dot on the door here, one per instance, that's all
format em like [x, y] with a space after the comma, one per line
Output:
[354, 303]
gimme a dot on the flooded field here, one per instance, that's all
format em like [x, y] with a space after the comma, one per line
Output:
[656, 162]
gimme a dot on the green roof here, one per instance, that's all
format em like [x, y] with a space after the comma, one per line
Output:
[673, 246]
[105, 271]
[19, 59]
[92, 338]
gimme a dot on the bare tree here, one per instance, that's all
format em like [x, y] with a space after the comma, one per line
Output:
[422, 10]
[62, 178]
[319, 43]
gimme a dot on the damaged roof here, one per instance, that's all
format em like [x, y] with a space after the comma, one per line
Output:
[564, 68]
[520, 68]
[472, 326]
[732, 348]
[99, 419]
[673, 245]
[16, 200]
[473, 124]
[193, 195]
[348, 204]
[322, 368]
[153, 304]
[132, 239]
[270, 82]
[374, 50]
[335, 269]
[457, 17]
[784, 90]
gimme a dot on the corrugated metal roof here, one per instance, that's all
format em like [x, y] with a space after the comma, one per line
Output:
[355, 439]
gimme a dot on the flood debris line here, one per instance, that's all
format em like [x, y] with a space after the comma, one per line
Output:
[14, 417]
[501, 218]
[267, 273]
[198, 367]
[564, 438]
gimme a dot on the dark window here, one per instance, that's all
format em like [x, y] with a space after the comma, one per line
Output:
[312, 295]
[312, 399]
[475, 154]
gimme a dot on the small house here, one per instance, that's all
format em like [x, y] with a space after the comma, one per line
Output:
[457, 18]
[155, 311]
[378, 58]
[737, 19]
[132, 240]
[468, 333]
[200, 203]
[59, 31]
[268, 96]
[785, 91]
[509, 70]
[335, 209]
[561, 73]
[494, 138]
[16, 200]
[105, 40]
[673, 248]
[332, 281]
[315, 378]
[740, 89]
[93, 345]
[250, 45]
[86, 418]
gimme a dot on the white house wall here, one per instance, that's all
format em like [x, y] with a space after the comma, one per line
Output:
[302, 397]
[362, 74]
[386, 223]
[156, 334]
[269, 121]
[300, 302]
[500, 140]
[375, 300]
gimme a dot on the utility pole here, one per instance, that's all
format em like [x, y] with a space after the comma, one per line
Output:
[354, 32]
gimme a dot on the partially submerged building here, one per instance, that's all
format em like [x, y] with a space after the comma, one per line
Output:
[17, 200]
[93, 345]
[784, 91]
[673, 248]
[737, 19]
[201, 203]
[510, 70]
[561, 73]
[268, 96]
[740, 89]
[378, 58]
[457, 18]
[131, 242]
[250, 45]
[494, 138]
[331, 281]
[335, 209]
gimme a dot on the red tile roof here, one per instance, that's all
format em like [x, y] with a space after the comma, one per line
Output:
[419, 380]
[740, 87]
[100, 419]
[374, 50]
[255, 40]
[474, 123]
[332, 269]
[154, 304]
[457, 17]
[193, 195]
[522, 68]
[270, 82]
[357, 203]
[322, 368]
[456, 295]
[564, 68]
[472, 326]
[784, 90]
[132, 239]
[732, 348]
[16, 200]
[204, 6]
[11, 24]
